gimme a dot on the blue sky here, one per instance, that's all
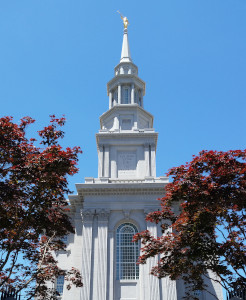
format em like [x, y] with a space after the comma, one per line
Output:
[56, 57]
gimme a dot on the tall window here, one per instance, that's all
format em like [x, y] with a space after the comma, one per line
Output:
[125, 95]
[136, 96]
[60, 284]
[127, 252]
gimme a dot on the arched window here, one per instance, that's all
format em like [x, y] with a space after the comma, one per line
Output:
[127, 252]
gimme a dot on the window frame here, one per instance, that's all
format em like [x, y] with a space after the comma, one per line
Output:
[126, 95]
[57, 285]
[127, 269]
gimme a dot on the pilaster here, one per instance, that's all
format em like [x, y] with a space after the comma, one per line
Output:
[106, 160]
[132, 93]
[119, 94]
[113, 163]
[152, 282]
[110, 99]
[168, 287]
[146, 159]
[153, 160]
[100, 161]
[87, 219]
[101, 286]
[111, 265]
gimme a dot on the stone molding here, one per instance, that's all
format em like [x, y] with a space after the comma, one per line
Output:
[87, 215]
[126, 213]
[103, 214]
[122, 191]
[78, 216]
[149, 210]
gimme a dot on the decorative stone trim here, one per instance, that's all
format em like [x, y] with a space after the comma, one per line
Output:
[87, 215]
[103, 214]
[149, 210]
[123, 191]
[126, 213]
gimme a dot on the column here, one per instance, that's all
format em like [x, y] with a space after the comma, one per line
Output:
[87, 216]
[146, 158]
[113, 164]
[111, 265]
[119, 94]
[100, 161]
[153, 281]
[101, 286]
[141, 95]
[153, 160]
[77, 250]
[106, 161]
[132, 94]
[168, 287]
[110, 99]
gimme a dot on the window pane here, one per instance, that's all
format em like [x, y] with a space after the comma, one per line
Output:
[127, 252]
[125, 99]
[60, 284]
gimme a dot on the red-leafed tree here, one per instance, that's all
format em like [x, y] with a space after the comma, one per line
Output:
[33, 210]
[203, 221]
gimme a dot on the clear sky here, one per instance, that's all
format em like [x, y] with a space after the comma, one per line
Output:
[56, 57]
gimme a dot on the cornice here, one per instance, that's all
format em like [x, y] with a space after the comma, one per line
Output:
[126, 63]
[84, 189]
[123, 107]
[100, 189]
[117, 79]
[126, 135]
[135, 134]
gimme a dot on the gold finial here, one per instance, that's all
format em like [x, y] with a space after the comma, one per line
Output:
[125, 20]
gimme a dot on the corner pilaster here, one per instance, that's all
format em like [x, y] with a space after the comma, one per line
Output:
[87, 219]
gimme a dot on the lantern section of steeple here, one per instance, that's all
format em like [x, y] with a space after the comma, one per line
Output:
[126, 87]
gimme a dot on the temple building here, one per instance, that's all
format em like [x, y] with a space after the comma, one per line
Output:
[107, 211]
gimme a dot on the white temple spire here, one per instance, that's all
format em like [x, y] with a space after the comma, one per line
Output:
[125, 52]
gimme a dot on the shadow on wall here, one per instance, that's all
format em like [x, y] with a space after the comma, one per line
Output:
[201, 295]
[237, 294]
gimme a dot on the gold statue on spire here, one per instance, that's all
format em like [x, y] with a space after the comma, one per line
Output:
[125, 20]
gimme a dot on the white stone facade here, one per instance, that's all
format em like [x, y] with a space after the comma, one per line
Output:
[124, 192]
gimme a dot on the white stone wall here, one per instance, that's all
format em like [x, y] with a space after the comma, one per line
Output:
[93, 250]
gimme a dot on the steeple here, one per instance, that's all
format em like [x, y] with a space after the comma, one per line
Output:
[126, 141]
[125, 52]
[126, 88]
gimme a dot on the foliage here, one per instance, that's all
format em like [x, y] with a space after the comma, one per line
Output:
[203, 220]
[33, 211]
